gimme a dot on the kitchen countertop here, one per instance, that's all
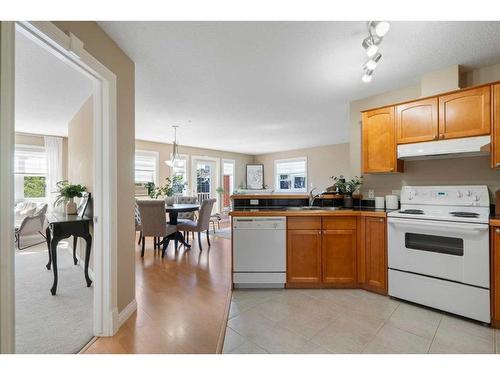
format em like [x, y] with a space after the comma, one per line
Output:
[297, 211]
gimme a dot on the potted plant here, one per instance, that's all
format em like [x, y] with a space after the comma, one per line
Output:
[151, 188]
[172, 185]
[347, 187]
[67, 193]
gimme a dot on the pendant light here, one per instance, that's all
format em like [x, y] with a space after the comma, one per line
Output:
[175, 150]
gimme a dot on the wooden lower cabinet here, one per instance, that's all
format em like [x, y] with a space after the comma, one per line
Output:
[495, 276]
[375, 255]
[303, 257]
[338, 258]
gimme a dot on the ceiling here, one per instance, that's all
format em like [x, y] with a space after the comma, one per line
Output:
[48, 91]
[259, 87]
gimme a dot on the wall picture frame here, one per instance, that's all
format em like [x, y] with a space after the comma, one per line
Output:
[255, 176]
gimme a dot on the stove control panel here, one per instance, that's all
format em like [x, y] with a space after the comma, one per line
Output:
[446, 195]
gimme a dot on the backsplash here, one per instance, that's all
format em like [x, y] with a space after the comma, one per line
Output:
[457, 171]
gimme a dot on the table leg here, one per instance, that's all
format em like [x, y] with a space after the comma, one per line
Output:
[75, 242]
[88, 241]
[48, 238]
[179, 237]
[53, 247]
[165, 243]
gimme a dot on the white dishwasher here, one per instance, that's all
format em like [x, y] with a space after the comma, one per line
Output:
[259, 252]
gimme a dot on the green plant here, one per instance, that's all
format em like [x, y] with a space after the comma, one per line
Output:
[347, 186]
[67, 191]
[151, 187]
[220, 190]
[172, 186]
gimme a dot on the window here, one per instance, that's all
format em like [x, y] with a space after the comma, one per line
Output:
[146, 167]
[180, 169]
[290, 175]
[30, 173]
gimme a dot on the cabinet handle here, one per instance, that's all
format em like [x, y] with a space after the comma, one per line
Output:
[435, 137]
[441, 136]
[381, 220]
[497, 165]
[319, 232]
[497, 231]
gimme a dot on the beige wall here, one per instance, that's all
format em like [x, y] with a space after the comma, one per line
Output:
[81, 146]
[81, 157]
[104, 49]
[322, 162]
[37, 140]
[467, 171]
[165, 149]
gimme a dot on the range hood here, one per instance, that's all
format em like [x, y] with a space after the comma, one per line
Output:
[445, 149]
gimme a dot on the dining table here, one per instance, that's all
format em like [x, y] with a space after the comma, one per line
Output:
[173, 214]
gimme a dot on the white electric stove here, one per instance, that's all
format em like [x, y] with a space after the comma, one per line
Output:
[438, 249]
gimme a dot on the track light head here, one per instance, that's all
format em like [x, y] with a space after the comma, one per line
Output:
[367, 76]
[370, 46]
[372, 63]
[380, 28]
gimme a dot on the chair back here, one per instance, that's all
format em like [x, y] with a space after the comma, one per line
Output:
[186, 200]
[205, 213]
[137, 216]
[34, 223]
[153, 219]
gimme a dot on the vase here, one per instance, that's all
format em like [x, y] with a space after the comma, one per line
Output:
[169, 201]
[347, 200]
[71, 207]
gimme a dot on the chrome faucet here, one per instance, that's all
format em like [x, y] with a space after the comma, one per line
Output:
[312, 197]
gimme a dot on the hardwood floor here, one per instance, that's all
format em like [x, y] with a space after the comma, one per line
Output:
[182, 302]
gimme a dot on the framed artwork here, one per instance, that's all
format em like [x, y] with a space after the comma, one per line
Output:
[85, 205]
[255, 176]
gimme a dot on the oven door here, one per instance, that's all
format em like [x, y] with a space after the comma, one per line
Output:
[447, 250]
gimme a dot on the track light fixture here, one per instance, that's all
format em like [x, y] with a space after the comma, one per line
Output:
[376, 30]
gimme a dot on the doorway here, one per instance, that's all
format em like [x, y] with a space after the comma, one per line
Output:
[205, 179]
[69, 50]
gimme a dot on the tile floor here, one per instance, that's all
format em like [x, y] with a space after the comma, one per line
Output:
[346, 321]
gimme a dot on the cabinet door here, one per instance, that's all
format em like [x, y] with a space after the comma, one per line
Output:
[375, 255]
[495, 154]
[339, 258]
[465, 113]
[303, 257]
[417, 121]
[379, 142]
[495, 276]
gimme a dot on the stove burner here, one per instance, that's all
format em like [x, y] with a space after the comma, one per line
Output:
[412, 212]
[464, 214]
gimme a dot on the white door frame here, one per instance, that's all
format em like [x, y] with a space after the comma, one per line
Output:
[217, 174]
[71, 51]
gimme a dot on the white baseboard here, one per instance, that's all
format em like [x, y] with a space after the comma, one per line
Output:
[127, 312]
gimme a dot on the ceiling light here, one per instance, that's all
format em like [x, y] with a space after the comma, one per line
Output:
[370, 46]
[367, 76]
[175, 150]
[372, 63]
[381, 27]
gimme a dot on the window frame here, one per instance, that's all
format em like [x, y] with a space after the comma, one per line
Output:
[29, 147]
[184, 157]
[156, 155]
[292, 189]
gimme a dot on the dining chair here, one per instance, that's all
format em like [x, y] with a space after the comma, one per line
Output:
[137, 217]
[186, 216]
[203, 222]
[154, 223]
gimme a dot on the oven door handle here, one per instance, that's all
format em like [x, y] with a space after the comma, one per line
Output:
[436, 224]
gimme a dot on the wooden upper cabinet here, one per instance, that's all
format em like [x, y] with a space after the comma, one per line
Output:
[417, 121]
[379, 142]
[465, 113]
[375, 251]
[303, 257]
[339, 258]
[495, 152]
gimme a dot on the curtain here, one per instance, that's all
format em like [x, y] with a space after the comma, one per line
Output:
[53, 148]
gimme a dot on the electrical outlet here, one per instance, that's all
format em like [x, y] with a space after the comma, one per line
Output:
[371, 194]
